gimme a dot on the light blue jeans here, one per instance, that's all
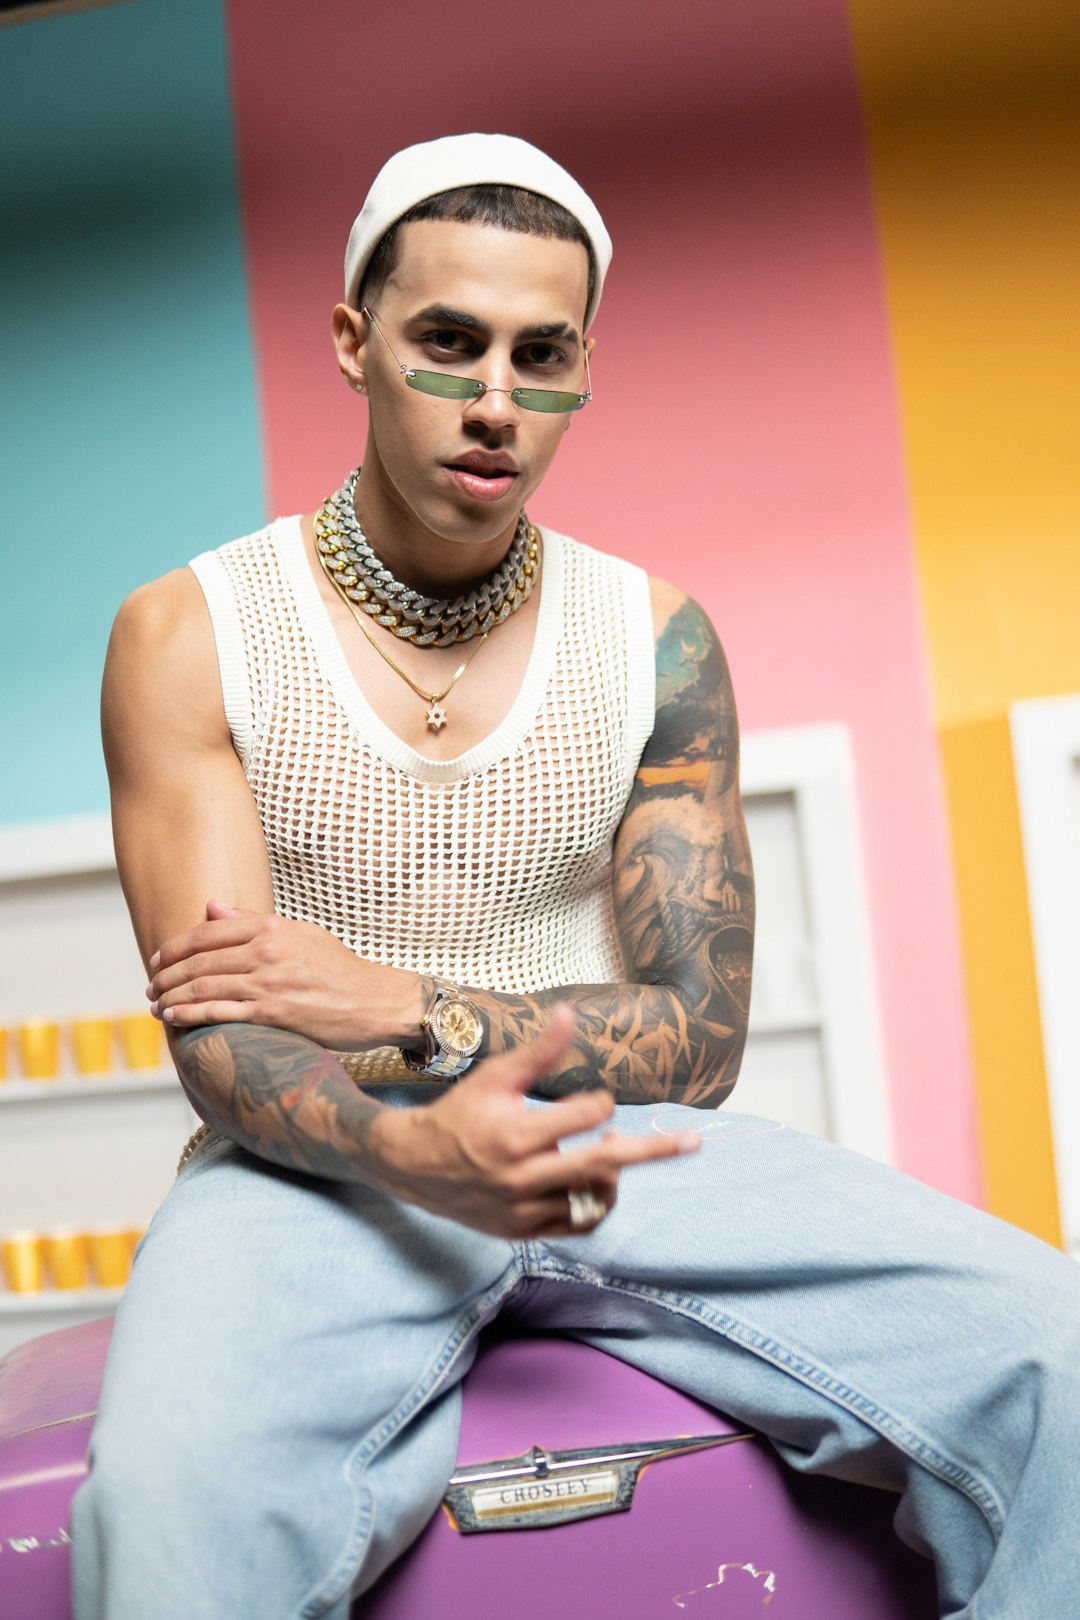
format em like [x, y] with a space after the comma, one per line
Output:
[280, 1410]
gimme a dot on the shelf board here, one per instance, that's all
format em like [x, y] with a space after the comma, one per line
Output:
[58, 1300]
[87, 1085]
[811, 1024]
[67, 847]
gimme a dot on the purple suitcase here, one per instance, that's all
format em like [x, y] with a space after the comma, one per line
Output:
[724, 1530]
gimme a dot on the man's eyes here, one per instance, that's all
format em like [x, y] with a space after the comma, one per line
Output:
[455, 347]
[542, 356]
[446, 342]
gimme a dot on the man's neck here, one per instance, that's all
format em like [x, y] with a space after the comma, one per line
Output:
[438, 565]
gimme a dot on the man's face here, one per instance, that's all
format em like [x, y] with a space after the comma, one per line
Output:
[495, 305]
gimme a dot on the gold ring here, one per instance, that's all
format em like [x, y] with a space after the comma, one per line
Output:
[585, 1208]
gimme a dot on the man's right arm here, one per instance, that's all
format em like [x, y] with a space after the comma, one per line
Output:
[186, 829]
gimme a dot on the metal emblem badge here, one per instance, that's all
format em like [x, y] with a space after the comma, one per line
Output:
[555, 1487]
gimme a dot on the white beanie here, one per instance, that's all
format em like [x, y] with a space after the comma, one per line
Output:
[419, 172]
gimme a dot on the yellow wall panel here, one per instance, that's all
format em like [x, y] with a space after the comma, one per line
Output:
[1017, 1144]
[973, 113]
[973, 118]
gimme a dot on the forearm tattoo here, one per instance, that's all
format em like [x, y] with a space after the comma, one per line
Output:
[674, 1030]
[277, 1094]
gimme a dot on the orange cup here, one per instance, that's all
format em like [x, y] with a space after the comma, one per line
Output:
[142, 1041]
[39, 1049]
[20, 1255]
[91, 1043]
[110, 1256]
[3, 1052]
[66, 1258]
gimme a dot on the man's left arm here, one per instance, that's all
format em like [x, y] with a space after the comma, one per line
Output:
[674, 1029]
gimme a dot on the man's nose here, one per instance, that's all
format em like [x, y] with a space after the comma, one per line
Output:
[495, 407]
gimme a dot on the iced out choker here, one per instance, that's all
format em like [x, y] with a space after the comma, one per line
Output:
[364, 582]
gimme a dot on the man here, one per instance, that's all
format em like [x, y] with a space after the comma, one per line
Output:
[411, 780]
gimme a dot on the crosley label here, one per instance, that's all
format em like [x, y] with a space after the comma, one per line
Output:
[596, 1488]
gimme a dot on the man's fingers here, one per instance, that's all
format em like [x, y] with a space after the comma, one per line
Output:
[190, 1014]
[220, 908]
[598, 1166]
[570, 1116]
[217, 935]
[206, 988]
[224, 964]
[551, 1216]
[601, 1162]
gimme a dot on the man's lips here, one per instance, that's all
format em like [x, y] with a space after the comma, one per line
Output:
[483, 477]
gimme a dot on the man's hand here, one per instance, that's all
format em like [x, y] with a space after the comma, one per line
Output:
[249, 967]
[481, 1156]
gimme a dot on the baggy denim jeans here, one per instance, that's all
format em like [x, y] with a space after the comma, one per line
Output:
[280, 1410]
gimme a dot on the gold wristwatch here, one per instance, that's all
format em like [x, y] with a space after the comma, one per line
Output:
[454, 1030]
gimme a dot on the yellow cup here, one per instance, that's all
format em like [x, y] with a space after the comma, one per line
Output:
[39, 1049]
[142, 1041]
[110, 1256]
[91, 1042]
[66, 1258]
[3, 1052]
[20, 1255]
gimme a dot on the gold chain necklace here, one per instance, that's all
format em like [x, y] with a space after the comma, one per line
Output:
[436, 715]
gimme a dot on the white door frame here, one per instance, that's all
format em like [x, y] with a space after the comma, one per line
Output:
[1046, 758]
[816, 765]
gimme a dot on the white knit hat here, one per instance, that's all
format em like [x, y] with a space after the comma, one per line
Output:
[419, 172]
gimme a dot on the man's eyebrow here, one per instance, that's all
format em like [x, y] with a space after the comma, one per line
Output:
[443, 315]
[548, 329]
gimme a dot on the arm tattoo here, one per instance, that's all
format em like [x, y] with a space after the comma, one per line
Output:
[684, 902]
[278, 1095]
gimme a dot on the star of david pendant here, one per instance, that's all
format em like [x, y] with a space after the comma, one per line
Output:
[436, 716]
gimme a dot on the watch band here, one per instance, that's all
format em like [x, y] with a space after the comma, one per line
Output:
[449, 1051]
[444, 1067]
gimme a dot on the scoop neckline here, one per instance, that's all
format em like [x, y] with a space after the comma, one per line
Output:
[515, 725]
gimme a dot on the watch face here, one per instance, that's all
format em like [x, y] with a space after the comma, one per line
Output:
[457, 1026]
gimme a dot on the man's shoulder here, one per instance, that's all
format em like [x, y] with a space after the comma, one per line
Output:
[674, 612]
[669, 602]
[159, 608]
[156, 602]
[161, 661]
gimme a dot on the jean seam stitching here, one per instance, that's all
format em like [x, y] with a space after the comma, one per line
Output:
[333, 1585]
[808, 1373]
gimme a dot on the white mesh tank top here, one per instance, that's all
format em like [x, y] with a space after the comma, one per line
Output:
[491, 869]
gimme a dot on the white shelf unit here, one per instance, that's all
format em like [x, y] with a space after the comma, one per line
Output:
[14, 1092]
[97, 1151]
[76, 1152]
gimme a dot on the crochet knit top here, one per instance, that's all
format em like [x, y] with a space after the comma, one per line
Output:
[492, 869]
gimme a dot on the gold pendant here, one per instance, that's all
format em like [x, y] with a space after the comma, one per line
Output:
[436, 717]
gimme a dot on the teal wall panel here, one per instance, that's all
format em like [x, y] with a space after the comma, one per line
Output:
[129, 434]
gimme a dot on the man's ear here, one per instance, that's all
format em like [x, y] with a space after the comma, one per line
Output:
[350, 332]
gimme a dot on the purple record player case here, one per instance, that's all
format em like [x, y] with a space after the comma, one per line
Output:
[726, 1531]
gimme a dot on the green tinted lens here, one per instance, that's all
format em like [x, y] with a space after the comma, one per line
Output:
[444, 384]
[546, 399]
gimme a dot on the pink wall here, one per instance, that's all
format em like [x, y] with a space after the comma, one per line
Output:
[744, 440]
